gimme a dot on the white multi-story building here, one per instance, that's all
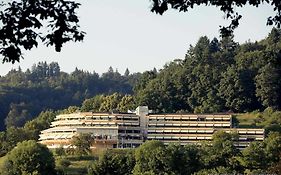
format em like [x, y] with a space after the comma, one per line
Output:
[129, 130]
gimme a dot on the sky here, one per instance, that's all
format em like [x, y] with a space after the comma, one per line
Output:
[125, 34]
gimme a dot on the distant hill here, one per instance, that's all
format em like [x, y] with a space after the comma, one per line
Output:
[23, 95]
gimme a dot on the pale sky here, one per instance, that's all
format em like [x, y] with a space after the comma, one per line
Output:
[125, 34]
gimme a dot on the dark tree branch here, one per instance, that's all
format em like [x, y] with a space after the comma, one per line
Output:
[226, 6]
[21, 20]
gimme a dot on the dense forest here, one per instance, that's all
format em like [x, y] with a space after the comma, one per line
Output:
[215, 76]
[23, 95]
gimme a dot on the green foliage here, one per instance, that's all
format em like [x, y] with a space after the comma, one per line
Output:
[184, 159]
[23, 95]
[92, 104]
[273, 147]
[152, 158]
[217, 76]
[217, 170]
[109, 103]
[63, 163]
[21, 21]
[163, 92]
[269, 119]
[82, 143]
[268, 85]
[219, 156]
[29, 157]
[276, 168]
[260, 157]
[59, 151]
[10, 138]
[254, 157]
[70, 110]
[43, 121]
[221, 151]
[127, 103]
[231, 89]
[17, 115]
[30, 131]
[120, 162]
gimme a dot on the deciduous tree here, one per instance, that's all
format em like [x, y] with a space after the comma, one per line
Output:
[22, 20]
[29, 157]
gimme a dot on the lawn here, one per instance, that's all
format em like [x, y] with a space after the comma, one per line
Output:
[2, 159]
[246, 120]
[78, 164]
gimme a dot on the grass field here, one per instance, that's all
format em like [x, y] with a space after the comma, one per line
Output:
[2, 159]
[78, 164]
[246, 120]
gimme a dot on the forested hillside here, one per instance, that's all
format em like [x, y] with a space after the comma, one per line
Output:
[23, 95]
[215, 76]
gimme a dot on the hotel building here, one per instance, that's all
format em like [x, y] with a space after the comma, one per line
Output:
[129, 130]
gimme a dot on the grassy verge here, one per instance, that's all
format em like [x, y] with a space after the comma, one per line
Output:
[74, 165]
[246, 120]
[2, 159]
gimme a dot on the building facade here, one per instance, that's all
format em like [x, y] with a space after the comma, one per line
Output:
[129, 130]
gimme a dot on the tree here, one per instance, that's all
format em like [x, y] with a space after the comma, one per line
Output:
[276, 168]
[217, 170]
[254, 157]
[110, 102]
[151, 158]
[22, 20]
[60, 151]
[184, 159]
[228, 7]
[93, 104]
[126, 103]
[268, 85]
[221, 151]
[127, 72]
[269, 119]
[165, 91]
[41, 122]
[120, 162]
[82, 143]
[203, 76]
[273, 147]
[29, 157]
[237, 89]
[10, 138]
[18, 115]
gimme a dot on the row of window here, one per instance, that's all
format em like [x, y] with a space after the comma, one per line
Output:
[126, 145]
[178, 139]
[182, 132]
[182, 126]
[189, 119]
[128, 137]
[129, 131]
